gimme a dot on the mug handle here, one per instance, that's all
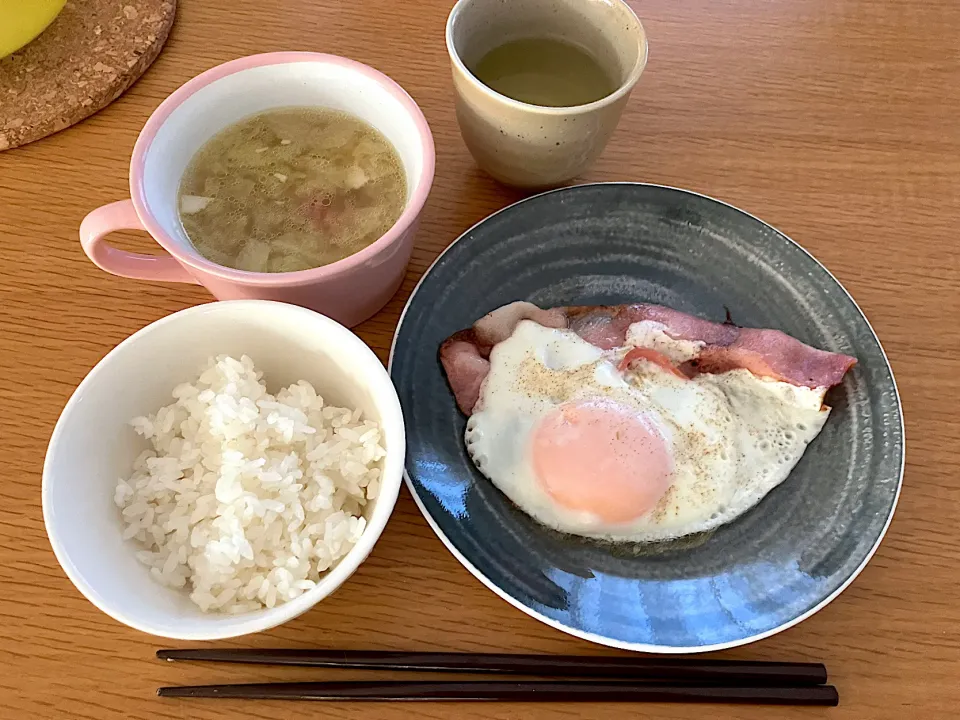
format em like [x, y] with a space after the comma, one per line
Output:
[122, 215]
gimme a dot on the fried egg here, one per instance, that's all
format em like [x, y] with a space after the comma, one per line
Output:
[637, 455]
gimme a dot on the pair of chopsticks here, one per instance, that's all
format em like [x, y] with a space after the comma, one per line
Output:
[600, 679]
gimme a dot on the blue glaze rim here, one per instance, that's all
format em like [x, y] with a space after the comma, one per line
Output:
[648, 647]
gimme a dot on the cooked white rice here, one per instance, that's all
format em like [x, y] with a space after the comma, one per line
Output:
[246, 498]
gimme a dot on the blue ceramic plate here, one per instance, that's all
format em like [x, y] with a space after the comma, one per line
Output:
[618, 243]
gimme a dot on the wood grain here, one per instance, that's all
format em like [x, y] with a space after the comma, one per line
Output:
[835, 120]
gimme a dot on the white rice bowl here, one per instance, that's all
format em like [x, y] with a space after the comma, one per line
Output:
[246, 498]
[93, 447]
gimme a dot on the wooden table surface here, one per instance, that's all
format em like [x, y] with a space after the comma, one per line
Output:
[834, 120]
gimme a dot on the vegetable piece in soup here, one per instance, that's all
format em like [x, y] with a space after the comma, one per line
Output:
[291, 189]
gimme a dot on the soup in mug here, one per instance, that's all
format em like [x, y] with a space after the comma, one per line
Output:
[291, 189]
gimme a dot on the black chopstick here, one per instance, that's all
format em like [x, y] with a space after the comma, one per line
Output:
[514, 691]
[743, 672]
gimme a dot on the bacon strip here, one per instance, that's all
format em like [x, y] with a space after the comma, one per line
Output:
[464, 360]
[606, 325]
[657, 358]
[771, 353]
[767, 353]
[498, 325]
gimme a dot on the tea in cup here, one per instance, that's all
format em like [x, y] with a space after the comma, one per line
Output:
[540, 84]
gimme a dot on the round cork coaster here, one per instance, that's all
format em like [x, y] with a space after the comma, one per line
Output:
[85, 60]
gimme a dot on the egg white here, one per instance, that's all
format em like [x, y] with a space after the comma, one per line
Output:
[733, 436]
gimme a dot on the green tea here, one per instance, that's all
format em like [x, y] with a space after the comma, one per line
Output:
[543, 71]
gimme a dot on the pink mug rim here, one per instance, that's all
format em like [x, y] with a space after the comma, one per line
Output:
[196, 261]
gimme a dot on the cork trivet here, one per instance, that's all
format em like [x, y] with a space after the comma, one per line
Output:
[85, 60]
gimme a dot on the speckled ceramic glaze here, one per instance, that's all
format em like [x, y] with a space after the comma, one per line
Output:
[528, 145]
[601, 244]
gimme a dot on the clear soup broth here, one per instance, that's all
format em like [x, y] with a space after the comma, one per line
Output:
[291, 189]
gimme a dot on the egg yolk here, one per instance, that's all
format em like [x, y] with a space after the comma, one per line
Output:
[601, 458]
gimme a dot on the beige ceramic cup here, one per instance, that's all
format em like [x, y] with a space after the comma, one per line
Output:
[530, 145]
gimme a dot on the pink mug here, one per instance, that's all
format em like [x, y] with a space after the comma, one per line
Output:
[350, 290]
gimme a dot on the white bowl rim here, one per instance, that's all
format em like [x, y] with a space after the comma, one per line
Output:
[257, 621]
